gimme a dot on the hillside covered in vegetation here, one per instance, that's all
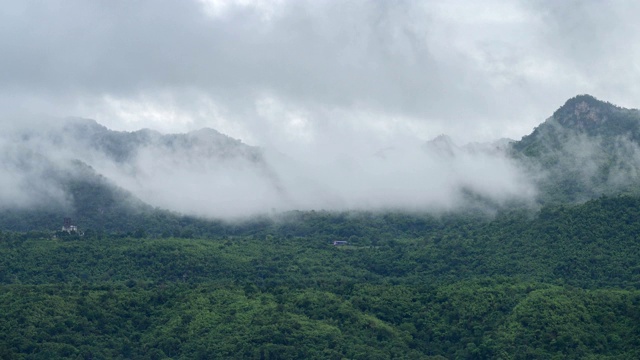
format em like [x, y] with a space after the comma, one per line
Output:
[562, 283]
[554, 276]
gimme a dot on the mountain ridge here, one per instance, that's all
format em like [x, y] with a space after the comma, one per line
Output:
[586, 149]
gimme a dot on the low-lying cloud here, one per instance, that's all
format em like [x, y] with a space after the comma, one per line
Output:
[208, 174]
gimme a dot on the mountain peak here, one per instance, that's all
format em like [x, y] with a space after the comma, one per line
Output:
[441, 144]
[584, 111]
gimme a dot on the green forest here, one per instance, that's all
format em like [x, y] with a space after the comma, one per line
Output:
[561, 282]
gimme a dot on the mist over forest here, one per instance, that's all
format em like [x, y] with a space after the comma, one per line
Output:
[303, 179]
[208, 174]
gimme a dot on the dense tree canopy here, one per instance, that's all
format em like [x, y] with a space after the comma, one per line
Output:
[562, 282]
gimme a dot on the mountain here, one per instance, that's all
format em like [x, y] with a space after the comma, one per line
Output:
[561, 282]
[442, 145]
[104, 179]
[123, 147]
[119, 181]
[581, 115]
[586, 149]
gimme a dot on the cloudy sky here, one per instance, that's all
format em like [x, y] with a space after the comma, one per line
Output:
[294, 72]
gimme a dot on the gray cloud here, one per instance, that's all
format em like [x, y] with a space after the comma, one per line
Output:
[208, 174]
[473, 71]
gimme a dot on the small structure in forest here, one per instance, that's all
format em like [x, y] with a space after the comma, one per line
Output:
[67, 227]
[340, 243]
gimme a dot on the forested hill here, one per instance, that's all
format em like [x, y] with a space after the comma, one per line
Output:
[564, 283]
[588, 148]
[57, 168]
[590, 245]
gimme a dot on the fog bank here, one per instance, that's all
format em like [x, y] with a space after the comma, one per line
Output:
[206, 173]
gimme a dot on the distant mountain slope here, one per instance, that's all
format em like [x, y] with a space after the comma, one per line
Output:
[117, 181]
[54, 191]
[587, 148]
[193, 173]
[103, 179]
[123, 147]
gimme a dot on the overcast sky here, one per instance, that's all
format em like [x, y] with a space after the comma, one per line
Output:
[279, 72]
